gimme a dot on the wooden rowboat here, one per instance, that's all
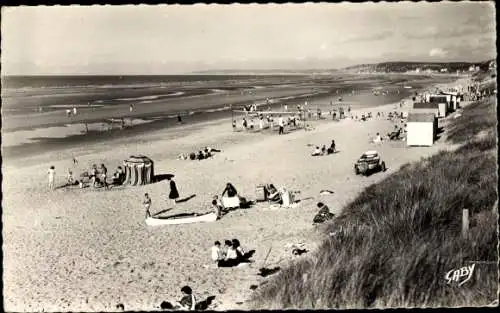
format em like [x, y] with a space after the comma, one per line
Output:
[181, 219]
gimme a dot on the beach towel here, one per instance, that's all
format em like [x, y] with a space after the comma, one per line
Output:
[231, 202]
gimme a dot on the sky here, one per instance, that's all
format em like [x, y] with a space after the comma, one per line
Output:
[175, 39]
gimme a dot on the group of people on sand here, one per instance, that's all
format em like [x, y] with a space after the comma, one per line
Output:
[230, 255]
[249, 125]
[203, 154]
[324, 151]
[96, 177]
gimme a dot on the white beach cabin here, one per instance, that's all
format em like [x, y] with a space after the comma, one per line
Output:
[453, 99]
[439, 110]
[444, 102]
[421, 129]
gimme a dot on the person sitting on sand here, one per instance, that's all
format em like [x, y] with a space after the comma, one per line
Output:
[323, 149]
[316, 152]
[251, 124]
[192, 156]
[200, 155]
[234, 124]
[273, 193]
[217, 206]
[245, 124]
[118, 176]
[147, 204]
[104, 175]
[332, 148]
[188, 301]
[217, 253]
[240, 253]
[93, 175]
[377, 138]
[230, 190]
[71, 180]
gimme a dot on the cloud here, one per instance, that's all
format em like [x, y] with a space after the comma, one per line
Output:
[437, 52]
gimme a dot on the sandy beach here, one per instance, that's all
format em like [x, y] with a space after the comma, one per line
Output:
[88, 250]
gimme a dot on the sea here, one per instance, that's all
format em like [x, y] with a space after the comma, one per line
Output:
[33, 104]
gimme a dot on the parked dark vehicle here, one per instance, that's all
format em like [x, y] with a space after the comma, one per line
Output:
[368, 163]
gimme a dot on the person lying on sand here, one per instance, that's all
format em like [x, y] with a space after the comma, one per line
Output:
[210, 150]
[316, 152]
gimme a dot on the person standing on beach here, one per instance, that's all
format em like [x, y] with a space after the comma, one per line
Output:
[174, 194]
[104, 175]
[147, 204]
[281, 124]
[179, 119]
[261, 123]
[52, 174]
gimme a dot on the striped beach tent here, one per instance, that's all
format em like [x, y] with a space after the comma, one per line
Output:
[139, 170]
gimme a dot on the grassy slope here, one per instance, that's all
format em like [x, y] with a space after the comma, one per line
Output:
[400, 237]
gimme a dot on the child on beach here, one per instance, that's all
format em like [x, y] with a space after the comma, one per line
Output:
[147, 204]
[217, 253]
[52, 174]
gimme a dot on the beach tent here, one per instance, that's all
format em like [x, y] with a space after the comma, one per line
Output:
[428, 107]
[139, 170]
[421, 129]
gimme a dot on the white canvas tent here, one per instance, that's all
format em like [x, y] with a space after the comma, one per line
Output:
[139, 170]
[421, 129]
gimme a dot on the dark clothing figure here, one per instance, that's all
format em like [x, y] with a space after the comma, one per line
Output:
[230, 190]
[174, 194]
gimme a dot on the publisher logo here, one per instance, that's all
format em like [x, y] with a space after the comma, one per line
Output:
[461, 275]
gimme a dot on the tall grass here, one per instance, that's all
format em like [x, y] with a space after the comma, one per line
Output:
[399, 238]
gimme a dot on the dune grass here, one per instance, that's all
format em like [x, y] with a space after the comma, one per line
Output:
[397, 240]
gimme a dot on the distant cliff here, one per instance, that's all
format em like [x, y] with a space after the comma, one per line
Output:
[401, 67]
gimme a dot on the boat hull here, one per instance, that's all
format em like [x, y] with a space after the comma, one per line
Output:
[210, 217]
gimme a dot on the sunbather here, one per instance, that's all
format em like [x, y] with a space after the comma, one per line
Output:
[316, 152]
[273, 193]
